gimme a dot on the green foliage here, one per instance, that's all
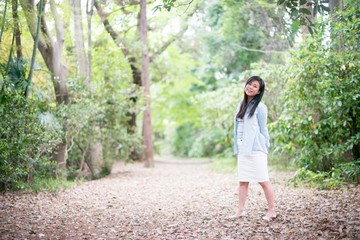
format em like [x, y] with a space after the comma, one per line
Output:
[236, 34]
[184, 138]
[226, 165]
[210, 130]
[344, 173]
[118, 139]
[207, 144]
[167, 4]
[201, 124]
[171, 103]
[25, 145]
[320, 125]
[300, 12]
[45, 184]
[321, 180]
[99, 117]
[280, 162]
[14, 75]
[217, 109]
[192, 142]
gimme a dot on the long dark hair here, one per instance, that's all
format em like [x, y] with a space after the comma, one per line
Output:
[254, 102]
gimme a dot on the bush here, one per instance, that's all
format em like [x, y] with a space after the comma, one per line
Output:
[184, 138]
[98, 118]
[320, 125]
[26, 146]
[343, 173]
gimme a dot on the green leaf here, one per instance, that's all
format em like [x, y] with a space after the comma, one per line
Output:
[295, 25]
[280, 2]
[305, 11]
[294, 12]
[316, 8]
[157, 8]
[302, 2]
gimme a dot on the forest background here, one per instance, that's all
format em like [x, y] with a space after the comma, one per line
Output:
[86, 83]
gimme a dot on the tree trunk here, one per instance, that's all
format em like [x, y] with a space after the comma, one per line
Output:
[136, 74]
[51, 52]
[80, 53]
[89, 13]
[96, 152]
[96, 149]
[17, 33]
[145, 79]
[3, 20]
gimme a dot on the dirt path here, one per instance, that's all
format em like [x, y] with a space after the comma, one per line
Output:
[177, 201]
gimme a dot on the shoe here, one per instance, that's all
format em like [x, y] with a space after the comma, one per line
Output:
[269, 218]
[238, 215]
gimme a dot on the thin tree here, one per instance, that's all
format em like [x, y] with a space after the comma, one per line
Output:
[36, 41]
[80, 53]
[89, 14]
[17, 32]
[145, 79]
[3, 21]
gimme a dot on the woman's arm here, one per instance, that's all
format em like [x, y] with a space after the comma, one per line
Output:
[262, 119]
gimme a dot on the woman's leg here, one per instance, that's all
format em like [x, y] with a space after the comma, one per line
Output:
[269, 195]
[243, 193]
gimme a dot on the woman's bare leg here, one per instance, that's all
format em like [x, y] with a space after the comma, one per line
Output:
[243, 193]
[269, 195]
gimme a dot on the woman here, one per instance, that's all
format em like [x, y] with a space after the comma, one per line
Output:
[251, 144]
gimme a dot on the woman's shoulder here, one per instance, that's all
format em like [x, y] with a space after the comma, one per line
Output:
[262, 107]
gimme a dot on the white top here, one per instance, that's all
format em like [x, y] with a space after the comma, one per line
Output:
[240, 132]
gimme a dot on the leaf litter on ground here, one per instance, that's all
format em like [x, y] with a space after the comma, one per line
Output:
[178, 201]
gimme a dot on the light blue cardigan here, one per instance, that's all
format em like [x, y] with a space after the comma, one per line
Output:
[256, 134]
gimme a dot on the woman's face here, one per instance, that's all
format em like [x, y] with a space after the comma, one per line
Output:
[252, 89]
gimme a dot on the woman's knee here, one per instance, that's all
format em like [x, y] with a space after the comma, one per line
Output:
[265, 184]
[244, 184]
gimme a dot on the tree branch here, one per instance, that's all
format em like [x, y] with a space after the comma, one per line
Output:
[114, 35]
[30, 16]
[258, 50]
[173, 38]
[58, 25]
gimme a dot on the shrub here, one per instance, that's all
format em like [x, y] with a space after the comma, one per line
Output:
[25, 145]
[320, 125]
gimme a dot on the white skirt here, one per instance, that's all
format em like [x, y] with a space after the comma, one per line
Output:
[253, 168]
